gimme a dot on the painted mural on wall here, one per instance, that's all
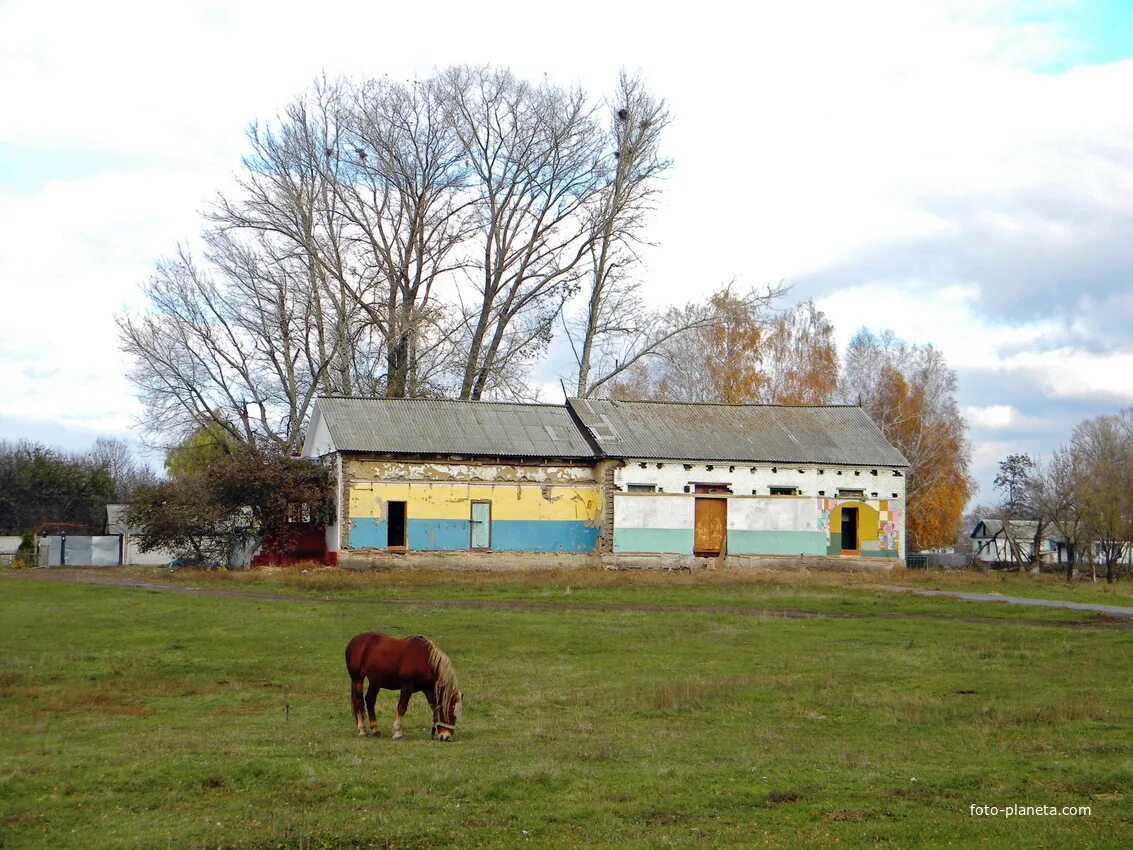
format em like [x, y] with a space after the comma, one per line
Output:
[877, 528]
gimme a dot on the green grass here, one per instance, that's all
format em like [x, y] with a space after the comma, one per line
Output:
[632, 711]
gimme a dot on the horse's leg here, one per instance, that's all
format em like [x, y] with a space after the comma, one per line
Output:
[402, 705]
[371, 698]
[431, 697]
[356, 704]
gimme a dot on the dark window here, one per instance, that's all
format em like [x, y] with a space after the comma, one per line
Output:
[641, 488]
[784, 491]
[396, 525]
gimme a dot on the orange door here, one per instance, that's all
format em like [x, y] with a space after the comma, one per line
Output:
[711, 526]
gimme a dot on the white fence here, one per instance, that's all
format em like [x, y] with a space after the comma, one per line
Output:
[80, 550]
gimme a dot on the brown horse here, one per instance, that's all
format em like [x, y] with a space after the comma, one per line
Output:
[402, 664]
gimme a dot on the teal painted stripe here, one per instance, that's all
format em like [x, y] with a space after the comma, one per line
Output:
[776, 542]
[677, 540]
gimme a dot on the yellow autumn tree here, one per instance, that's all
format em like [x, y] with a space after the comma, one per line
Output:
[910, 392]
[799, 357]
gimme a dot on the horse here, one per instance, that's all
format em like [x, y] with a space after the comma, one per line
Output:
[408, 665]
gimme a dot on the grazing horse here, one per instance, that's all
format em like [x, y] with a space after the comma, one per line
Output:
[402, 664]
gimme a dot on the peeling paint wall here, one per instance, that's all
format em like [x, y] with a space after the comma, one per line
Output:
[757, 525]
[533, 508]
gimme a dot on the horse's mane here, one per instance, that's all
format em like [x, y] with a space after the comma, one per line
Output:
[442, 669]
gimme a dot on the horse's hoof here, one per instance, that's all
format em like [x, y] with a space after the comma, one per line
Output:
[397, 738]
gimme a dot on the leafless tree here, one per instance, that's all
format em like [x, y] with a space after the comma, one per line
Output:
[1102, 448]
[238, 348]
[408, 200]
[534, 153]
[614, 324]
[1054, 485]
[119, 461]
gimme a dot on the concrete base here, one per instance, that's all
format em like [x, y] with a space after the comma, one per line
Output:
[495, 561]
[520, 561]
[740, 562]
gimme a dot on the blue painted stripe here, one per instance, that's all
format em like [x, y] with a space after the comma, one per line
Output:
[451, 535]
[366, 533]
[514, 535]
[439, 535]
[677, 540]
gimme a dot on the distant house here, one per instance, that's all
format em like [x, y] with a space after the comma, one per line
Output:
[995, 541]
[608, 477]
[9, 545]
[131, 553]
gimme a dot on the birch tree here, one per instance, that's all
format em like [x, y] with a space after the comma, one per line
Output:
[615, 329]
[910, 392]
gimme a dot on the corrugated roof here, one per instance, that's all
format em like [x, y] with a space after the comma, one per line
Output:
[436, 426]
[1023, 528]
[768, 433]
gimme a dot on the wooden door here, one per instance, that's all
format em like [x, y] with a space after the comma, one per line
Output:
[711, 525]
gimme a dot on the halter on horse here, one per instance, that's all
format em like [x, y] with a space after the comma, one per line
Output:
[407, 665]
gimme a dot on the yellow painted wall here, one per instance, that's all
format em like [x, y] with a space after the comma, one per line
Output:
[449, 500]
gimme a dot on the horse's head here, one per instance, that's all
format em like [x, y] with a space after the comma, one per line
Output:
[446, 713]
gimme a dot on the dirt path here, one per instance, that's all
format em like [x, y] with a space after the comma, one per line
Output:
[1112, 616]
[969, 596]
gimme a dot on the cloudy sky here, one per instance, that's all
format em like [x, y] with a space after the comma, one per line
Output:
[958, 172]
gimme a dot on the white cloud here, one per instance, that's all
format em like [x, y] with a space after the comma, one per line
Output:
[875, 141]
[1002, 417]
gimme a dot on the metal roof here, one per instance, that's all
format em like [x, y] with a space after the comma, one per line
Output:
[992, 528]
[439, 426]
[788, 434]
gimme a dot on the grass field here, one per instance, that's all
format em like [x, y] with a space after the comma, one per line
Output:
[609, 710]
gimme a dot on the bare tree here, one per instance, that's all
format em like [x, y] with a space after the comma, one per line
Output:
[1054, 485]
[614, 324]
[238, 349]
[118, 460]
[406, 196]
[287, 207]
[392, 238]
[1103, 451]
[534, 152]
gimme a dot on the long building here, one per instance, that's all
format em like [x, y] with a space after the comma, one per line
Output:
[608, 478]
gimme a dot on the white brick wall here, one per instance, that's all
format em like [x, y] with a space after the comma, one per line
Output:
[672, 477]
